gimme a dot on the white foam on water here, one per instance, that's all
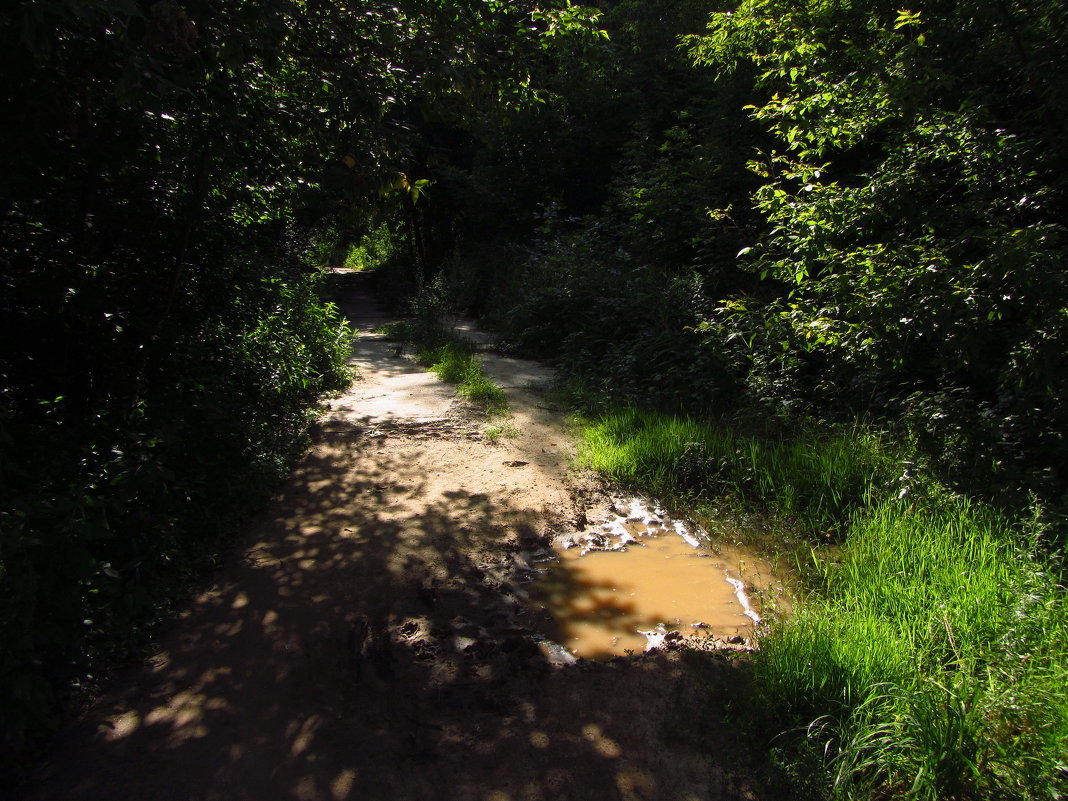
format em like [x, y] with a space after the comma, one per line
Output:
[683, 531]
[743, 599]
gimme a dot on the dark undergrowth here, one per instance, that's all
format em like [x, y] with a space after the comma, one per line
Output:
[115, 506]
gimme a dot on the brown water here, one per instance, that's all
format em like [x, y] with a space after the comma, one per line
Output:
[639, 577]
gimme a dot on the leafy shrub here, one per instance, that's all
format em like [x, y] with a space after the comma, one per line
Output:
[378, 246]
[911, 260]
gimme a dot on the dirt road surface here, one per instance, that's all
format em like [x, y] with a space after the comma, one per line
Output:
[367, 639]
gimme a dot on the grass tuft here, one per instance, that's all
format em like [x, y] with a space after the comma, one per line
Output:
[495, 433]
[454, 362]
[452, 358]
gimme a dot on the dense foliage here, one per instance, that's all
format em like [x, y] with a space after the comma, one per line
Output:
[809, 212]
[915, 219]
[841, 210]
[170, 175]
[857, 209]
[579, 225]
[713, 213]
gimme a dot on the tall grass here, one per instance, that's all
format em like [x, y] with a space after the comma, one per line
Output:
[929, 662]
[934, 664]
[816, 477]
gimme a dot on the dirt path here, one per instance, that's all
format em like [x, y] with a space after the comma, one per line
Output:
[366, 641]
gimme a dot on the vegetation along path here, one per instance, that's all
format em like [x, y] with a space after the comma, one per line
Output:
[366, 639]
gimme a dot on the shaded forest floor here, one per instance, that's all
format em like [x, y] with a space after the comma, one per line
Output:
[366, 640]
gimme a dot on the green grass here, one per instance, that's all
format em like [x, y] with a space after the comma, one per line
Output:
[455, 363]
[815, 478]
[934, 664]
[929, 661]
[453, 359]
[496, 433]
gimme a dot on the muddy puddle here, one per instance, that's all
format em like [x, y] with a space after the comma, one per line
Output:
[636, 579]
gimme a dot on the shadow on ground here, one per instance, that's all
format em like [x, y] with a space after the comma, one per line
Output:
[369, 641]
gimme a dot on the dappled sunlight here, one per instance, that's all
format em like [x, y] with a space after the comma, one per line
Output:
[260, 683]
[373, 638]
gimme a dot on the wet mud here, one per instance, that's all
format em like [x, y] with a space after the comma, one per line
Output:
[637, 580]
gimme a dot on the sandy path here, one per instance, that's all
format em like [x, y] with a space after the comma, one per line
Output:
[365, 640]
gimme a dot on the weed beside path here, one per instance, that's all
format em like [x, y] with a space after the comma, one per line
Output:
[452, 358]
